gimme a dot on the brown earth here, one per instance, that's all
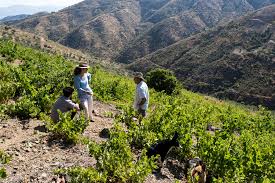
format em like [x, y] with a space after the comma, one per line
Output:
[35, 156]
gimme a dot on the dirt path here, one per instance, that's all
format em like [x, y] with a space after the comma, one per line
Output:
[34, 157]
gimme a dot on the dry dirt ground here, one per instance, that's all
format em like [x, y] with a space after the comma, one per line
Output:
[35, 157]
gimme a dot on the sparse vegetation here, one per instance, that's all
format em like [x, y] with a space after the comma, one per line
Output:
[4, 159]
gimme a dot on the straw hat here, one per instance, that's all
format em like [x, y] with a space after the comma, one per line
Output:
[139, 75]
[83, 66]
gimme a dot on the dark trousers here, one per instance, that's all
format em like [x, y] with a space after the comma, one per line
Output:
[142, 112]
[73, 114]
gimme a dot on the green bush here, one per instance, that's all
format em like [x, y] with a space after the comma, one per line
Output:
[4, 159]
[115, 159]
[111, 87]
[68, 129]
[3, 173]
[162, 80]
[24, 108]
[84, 175]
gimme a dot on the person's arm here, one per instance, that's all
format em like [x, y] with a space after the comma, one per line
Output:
[77, 84]
[89, 76]
[76, 107]
[143, 100]
[72, 105]
[78, 87]
[142, 96]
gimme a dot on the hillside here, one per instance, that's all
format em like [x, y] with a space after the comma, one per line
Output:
[180, 19]
[130, 29]
[99, 27]
[236, 144]
[236, 61]
[46, 45]
[13, 18]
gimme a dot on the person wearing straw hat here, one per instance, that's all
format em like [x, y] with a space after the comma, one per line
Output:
[85, 94]
[142, 94]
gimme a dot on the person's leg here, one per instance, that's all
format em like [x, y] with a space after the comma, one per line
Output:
[84, 105]
[73, 114]
[90, 107]
[142, 112]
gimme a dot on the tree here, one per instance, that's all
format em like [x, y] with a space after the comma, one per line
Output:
[162, 80]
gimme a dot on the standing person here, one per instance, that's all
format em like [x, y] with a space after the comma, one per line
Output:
[64, 104]
[142, 94]
[85, 93]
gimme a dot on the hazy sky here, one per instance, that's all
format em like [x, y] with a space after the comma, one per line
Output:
[6, 3]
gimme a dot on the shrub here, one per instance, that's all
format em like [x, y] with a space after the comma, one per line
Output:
[68, 129]
[115, 159]
[84, 175]
[3, 173]
[4, 159]
[24, 108]
[162, 80]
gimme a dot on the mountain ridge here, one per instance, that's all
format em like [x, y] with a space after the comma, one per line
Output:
[235, 61]
[134, 25]
[25, 9]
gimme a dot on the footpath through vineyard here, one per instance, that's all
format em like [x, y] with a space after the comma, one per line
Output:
[35, 156]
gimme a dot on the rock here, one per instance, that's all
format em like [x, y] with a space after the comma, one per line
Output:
[134, 119]
[212, 128]
[31, 178]
[28, 150]
[44, 175]
[105, 133]
[58, 164]
[173, 165]
[61, 180]
[20, 158]
[29, 144]
[46, 148]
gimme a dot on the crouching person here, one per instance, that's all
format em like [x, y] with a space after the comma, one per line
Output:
[64, 104]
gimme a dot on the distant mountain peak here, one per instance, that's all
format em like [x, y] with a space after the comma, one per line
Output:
[25, 9]
[126, 30]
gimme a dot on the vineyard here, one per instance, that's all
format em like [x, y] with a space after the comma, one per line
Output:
[241, 151]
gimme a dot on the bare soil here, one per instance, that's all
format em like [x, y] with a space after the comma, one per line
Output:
[35, 156]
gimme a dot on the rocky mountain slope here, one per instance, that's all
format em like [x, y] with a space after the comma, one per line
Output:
[129, 29]
[100, 27]
[235, 61]
[14, 18]
[46, 45]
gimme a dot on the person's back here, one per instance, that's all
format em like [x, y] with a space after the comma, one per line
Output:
[63, 104]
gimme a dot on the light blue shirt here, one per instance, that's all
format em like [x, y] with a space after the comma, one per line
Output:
[82, 85]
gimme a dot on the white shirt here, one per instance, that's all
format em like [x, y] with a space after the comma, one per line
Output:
[141, 92]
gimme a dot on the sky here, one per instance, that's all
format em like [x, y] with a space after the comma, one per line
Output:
[63, 3]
